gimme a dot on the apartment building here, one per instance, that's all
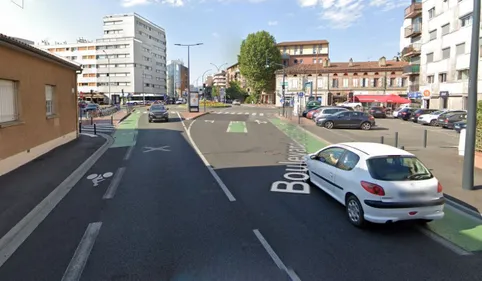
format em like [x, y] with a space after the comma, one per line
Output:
[340, 81]
[129, 60]
[234, 74]
[411, 45]
[176, 78]
[219, 79]
[445, 53]
[304, 52]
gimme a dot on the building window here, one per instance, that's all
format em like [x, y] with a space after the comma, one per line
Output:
[345, 83]
[430, 57]
[334, 83]
[50, 99]
[295, 61]
[391, 82]
[376, 81]
[460, 49]
[431, 13]
[433, 35]
[463, 74]
[355, 82]
[466, 20]
[446, 53]
[301, 60]
[8, 101]
[442, 77]
[430, 79]
[314, 61]
[445, 29]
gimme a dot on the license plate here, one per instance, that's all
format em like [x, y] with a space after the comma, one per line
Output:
[414, 194]
[378, 111]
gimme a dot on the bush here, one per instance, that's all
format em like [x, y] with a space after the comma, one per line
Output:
[212, 104]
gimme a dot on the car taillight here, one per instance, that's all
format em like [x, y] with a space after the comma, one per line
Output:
[403, 113]
[446, 120]
[439, 188]
[373, 188]
[371, 117]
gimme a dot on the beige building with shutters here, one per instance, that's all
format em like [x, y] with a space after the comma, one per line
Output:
[38, 102]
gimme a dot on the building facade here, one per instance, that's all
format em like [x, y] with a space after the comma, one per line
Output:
[234, 75]
[304, 52]
[219, 79]
[445, 53]
[411, 45]
[336, 82]
[176, 78]
[130, 59]
[38, 101]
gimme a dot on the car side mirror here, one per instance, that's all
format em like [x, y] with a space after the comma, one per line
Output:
[313, 157]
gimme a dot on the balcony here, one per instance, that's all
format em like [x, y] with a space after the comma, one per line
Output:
[412, 50]
[413, 10]
[413, 30]
[411, 69]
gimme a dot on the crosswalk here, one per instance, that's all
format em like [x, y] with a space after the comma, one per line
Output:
[100, 128]
[261, 114]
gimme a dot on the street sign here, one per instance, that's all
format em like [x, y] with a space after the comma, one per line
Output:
[285, 83]
[281, 100]
[301, 94]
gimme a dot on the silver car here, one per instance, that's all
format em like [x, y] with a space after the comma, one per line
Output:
[326, 111]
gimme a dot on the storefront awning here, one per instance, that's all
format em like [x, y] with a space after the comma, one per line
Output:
[381, 98]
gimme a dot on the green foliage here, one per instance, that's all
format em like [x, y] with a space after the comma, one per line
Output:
[234, 91]
[250, 99]
[214, 91]
[255, 50]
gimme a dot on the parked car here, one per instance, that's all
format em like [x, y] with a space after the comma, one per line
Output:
[458, 126]
[405, 113]
[378, 112]
[307, 110]
[311, 113]
[326, 111]
[441, 118]
[449, 120]
[414, 116]
[347, 119]
[431, 119]
[236, 102]
[158, 112]
[377, 183]
[92, 109]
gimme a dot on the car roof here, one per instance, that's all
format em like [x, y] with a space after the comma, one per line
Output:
[374, 149]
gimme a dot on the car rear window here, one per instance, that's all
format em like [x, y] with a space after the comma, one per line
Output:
[397, 168]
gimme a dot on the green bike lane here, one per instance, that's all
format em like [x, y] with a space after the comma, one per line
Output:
[456, 227]
[126, 133]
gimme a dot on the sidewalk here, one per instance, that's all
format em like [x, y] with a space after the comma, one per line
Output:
[113, 119]
[24, 188]
[444, 162]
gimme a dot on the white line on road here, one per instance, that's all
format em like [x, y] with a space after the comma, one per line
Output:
[261, 114]
[206, 163]
[240, 113]
[254, 114]
[11, 241]
[232, 113]
[81, 255]
[110, 192]
[129, 153]
[275, 257]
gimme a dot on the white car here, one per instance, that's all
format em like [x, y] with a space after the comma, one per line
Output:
[236, 102]
[376, 182]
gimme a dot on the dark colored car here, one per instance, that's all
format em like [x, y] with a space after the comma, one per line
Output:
[449, 120]
[378, 112]
[158, 112]
[348, 119]
[92, 108]
[414, 116]
[405, 113]
[441, 118]
[458, 126]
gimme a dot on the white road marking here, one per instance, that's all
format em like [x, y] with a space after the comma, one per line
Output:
[260, 122]
[89, 135]
[129, 153]
[81, 255]
[261, 114]
[254, 114]
[240, 113]
[209, 121]
[150, 149]
[96, 179]
[292, 275]
[206, 163]
[11, 241]
[232, 113]
[446, 243]
[246, 113]
[110, 192]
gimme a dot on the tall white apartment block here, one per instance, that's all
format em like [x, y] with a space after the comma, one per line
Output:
[445, 58]
[219, 79]
[130, 58]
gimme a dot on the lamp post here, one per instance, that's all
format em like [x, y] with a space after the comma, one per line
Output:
[468, 171]
[283, 84]
[188, 69]
[108, 69]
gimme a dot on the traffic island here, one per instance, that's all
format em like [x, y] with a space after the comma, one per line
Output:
[192, 115]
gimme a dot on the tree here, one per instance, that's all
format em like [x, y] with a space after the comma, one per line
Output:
[234, 91]
[255, 50]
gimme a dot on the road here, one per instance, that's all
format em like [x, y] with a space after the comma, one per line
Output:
[177, 211]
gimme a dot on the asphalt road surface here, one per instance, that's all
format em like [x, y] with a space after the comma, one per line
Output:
[163, 215]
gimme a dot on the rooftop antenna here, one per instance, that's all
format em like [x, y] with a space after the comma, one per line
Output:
[19, 5]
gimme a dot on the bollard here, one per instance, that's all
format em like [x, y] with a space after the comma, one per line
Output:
[396, 139]
[299, 119]
[112, 119]
[80, 127]
[382, 140]
[95, 129]
[402, 147]
[91, 120]
[425, 135]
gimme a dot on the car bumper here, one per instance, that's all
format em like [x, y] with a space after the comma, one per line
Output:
[423, 121]
[393, 212]
[159, 118]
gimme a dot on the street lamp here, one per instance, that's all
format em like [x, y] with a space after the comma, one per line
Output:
[108, 69]
[283, 85]
[188, 69]
[219, 67]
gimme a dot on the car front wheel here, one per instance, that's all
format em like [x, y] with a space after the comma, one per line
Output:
[354, 211]
[329, 125]
[366, 126]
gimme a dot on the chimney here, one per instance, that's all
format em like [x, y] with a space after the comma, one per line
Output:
[382, 62]
[350, 62]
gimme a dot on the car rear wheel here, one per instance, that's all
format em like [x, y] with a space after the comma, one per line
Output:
[366, 126]
[329, 125]
[354, 211]
[432, 123]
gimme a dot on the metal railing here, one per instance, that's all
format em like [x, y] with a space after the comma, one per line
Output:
[413, 29]
[414, 9]
[411, 69]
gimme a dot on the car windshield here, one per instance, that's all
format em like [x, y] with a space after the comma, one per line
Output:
[157, 107]
[397, 168]
[438, 112]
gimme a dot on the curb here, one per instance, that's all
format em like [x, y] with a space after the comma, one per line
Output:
[450, 200]
[195, 117]
[125, 117]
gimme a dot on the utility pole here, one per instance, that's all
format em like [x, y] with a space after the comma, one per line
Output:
[468, 172]
[188, 69]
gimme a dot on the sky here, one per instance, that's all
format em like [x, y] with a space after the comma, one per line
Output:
[359, 29]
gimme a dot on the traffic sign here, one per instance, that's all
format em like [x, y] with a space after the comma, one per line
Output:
[301, 94]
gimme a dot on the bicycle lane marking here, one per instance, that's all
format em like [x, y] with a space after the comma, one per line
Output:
[126, 133]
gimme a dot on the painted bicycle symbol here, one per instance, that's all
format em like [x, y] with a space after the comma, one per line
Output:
[96, 179]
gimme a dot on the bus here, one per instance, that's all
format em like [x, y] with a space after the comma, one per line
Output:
[144, 99]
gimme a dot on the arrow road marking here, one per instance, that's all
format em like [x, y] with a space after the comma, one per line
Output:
[260, 122]
[162, 148]
[209, 121]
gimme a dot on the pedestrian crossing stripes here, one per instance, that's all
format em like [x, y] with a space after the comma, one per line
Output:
[100, 128]
[243, 113]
